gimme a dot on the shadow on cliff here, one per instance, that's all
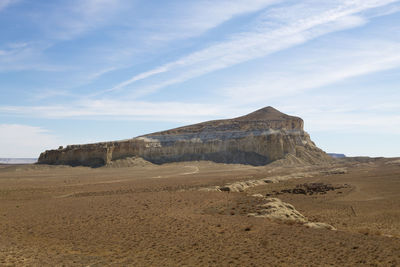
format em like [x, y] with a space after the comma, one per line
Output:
[238, 157]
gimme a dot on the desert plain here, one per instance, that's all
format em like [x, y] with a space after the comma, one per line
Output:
[141, 214]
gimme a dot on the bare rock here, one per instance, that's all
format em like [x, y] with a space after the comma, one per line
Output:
[129, 162]
[257, 139]
[319, 225]
[276, 209]
[279, 210]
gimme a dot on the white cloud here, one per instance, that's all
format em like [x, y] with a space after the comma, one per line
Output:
[49, 93]
[360, 111]
[57, 23]
[306, 23]
[73, 19]
[52, 24]
[346, 122]
[320, 65]
[23, 141]
[385, 10]
[346, 119]
[99, 73]
[315, 67]
[126, 110]
[78, 17]
[24, 56]
[185, 19]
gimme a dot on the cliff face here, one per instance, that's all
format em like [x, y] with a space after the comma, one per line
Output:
[256, 139]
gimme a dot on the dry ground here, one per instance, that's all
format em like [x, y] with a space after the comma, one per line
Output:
[155, 216]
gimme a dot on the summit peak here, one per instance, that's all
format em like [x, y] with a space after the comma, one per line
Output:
[267, 113]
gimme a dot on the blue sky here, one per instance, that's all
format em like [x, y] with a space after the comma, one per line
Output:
[84, 71]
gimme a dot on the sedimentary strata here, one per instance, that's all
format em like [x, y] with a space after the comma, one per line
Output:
[242, 186]
[257, 139]
[276, 209]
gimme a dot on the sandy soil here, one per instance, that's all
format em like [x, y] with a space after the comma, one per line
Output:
[155, 216]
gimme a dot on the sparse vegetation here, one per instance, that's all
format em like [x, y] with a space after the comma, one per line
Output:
[152, 215]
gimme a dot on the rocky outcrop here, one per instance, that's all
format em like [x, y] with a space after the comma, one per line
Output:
[276, 209]
[257, 139]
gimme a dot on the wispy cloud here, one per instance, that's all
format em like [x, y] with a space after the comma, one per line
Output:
[99, 73]
[66, 21]
[175, 21]
[126, 110]
[365, 109]
[358, 123]
[315, 68]
[384, 10]
[185, 19]
[54, 24]
[320, 66]
[78, 17]
[266, 38]
[18, 140]
[49, 93]
[103, 59]
[326, 114]
[26, 56]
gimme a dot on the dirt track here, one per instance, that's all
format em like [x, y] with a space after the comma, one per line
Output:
[155, 216]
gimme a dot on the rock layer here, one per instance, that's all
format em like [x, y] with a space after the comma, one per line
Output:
[257, 139]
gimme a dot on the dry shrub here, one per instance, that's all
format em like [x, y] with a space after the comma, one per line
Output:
[368, 231]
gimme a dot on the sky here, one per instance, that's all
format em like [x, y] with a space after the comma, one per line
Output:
[83, 71]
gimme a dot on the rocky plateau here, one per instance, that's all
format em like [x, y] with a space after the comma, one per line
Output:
[257, 139]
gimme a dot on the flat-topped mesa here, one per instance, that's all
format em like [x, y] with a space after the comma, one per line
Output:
[257, 139]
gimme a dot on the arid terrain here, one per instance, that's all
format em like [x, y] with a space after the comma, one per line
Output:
[139, 214]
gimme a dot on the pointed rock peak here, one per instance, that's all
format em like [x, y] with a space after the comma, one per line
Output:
[267, 113]
[262, 119]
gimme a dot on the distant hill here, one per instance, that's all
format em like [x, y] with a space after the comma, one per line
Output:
[257, 139]
[337, 156]
[18, 160]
